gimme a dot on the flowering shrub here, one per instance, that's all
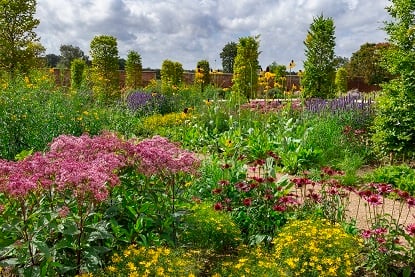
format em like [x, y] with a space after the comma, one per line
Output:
[316, 248]
[57, 200]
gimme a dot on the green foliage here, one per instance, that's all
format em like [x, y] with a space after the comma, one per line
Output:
[68, 54]
[205, 228]
[245, 77]
[319, 66]
[133, 69]
[400, 176]
[78, 74]
[20, 48]
[341, 80]
[105, 76]
[228, 56]
[171, 76]
[367, 63]
[395, 120]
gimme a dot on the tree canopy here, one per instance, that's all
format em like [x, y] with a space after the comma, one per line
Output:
[19, 45]
[228, 56]
[319, 66]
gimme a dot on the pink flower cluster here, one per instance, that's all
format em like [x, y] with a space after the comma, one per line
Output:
[88, 166]
[160, 156]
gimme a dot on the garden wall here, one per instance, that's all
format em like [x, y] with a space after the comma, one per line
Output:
[223, 80]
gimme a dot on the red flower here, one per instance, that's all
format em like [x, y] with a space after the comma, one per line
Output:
[410, 201]
[216, 190]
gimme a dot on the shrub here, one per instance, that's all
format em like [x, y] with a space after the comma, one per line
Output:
[206, 228]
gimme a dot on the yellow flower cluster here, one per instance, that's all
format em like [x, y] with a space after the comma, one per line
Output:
[145, 261]
[317, 248]
[167, 120]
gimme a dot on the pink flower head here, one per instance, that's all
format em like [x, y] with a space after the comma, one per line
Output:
[223, 183]
[410, 201]
[411, 229]
[366, 234]
[382, 188]
[374, 199]
[63, 212]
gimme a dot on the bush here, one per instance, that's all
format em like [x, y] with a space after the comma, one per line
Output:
[206, 228]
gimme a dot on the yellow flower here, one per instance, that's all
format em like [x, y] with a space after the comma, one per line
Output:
[109, 268]
[131, 266]
[160, 271]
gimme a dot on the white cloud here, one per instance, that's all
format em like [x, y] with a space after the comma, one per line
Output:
[189, 30]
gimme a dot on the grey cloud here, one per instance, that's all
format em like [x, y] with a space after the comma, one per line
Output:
[191, 30]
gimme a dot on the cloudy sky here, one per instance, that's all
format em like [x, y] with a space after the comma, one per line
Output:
[191, 30]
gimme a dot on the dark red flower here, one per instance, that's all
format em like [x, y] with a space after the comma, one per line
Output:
[216, 190]
[280, 208]
[247, 202]
[218, 206]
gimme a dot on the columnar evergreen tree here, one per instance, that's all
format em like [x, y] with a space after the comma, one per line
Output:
[78, 67]
[19, 45]
[202, 76]
[245, 77]
[319, 76]
[341, 80]
[133, 70]
[105, 76]
[394, 124]
[228, 56]
[171, 75]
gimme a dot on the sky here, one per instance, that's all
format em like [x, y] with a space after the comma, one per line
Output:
[188, 31]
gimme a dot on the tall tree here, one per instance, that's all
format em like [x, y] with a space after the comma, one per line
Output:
[133, 70]
[69, 53]
[19, 45]
[202, 75]
[319, 66]
[367, 63]
[394, 124]
[104, 53]
[228, 56]
[245, 77]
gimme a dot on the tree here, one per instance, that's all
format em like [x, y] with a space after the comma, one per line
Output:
[52, 60]
[171, 76]
[69, 53]
[245, 77]
[77, 73]
[394, 125]
[228, 56]
[341, 80]
[202, 75]
[105, 76]
[367, 63]
[133, 70]
[19, 45]
[319, 66]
